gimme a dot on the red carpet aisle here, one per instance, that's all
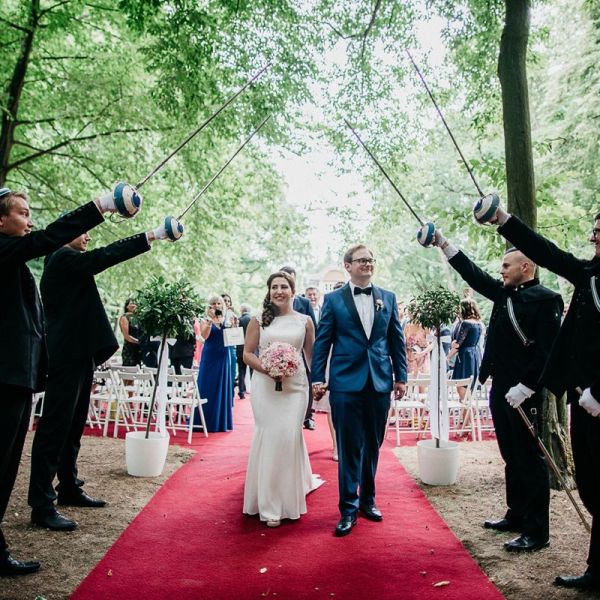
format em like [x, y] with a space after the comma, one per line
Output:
[191, 542]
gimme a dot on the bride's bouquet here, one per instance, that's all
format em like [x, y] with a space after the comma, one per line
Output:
[280, 360]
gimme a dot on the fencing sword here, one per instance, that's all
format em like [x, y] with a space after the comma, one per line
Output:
[426, 231]
[416, 216]
[462, 156]
[553, 465]
[196, 131]
[214, 177]
[487, 204]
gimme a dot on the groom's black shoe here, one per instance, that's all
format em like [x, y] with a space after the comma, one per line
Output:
[526, 543]
[503, 525]
[345, 525]
[371, 512]
[309, 424]
[587, 581]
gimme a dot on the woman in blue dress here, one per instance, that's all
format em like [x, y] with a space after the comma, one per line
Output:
[465, 345]
[214, 376]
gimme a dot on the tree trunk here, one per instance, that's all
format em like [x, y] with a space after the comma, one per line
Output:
[14, 90]
[512, 72]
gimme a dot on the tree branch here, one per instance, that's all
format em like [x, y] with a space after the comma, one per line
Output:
[64, 143]
[14, 25]
[64, 57]
[368, 28]
[51, 8]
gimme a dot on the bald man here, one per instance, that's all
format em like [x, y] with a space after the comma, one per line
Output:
[524, 322]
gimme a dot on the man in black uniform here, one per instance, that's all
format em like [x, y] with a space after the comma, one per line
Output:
[524, 322]
[574, 364]
[23, 350]
[79, 338]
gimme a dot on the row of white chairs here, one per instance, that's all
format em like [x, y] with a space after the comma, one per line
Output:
[123, 395]
[469, 415]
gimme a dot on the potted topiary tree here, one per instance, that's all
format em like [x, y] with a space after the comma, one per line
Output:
[438, 458]
[164, 310]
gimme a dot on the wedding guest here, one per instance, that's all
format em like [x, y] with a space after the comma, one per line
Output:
[181, 353]
[79, 336]
[524, 323]
[130, 354]
[214, 375]
[573, 368]
[245, 316]
[304, 307]
[230, 320]
[417, 348]
[313, 295]
[466, 345]
[23, 358]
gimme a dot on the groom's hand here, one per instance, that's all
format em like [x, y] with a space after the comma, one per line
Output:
[399, 390]
[319, 390]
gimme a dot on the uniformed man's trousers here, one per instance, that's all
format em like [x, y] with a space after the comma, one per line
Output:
[526, 471]
[16, 408]
[58, 435]
[585, 440]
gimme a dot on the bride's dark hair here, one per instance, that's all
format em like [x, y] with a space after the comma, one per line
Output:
[269, 311]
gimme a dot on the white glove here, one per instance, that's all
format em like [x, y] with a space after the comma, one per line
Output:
[123, 198]
[438, 239]
[589, 403]
[171, 229]
[518, 394]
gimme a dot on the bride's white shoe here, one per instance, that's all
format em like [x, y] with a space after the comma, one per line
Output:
[273, 523]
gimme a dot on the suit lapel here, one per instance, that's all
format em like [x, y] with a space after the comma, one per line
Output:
[349, 302]
[376, 295]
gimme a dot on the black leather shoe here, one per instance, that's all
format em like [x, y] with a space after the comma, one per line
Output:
[502, 525]
[309, 424]
[526, 543]
[9, 566]
[578, 582]
[345, 525]
[372, 513]
[80, 499]
[52, 520]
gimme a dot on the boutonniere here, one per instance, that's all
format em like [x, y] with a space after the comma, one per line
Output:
[378, 304]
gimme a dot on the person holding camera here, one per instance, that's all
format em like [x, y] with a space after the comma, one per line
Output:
[214, 376]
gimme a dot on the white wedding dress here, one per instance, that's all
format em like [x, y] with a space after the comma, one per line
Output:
[279, 474]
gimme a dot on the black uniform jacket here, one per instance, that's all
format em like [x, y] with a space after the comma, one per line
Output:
[23, 357]
[575, 357]
[76, 322]
[537, 311]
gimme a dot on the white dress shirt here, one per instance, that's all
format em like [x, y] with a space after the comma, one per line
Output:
[365, 308]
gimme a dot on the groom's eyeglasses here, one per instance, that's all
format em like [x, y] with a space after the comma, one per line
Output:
[364, 261]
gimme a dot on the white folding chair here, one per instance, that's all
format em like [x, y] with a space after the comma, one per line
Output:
[37, 407]
[182, 400]
[461, 414]
[481, 408]
[411, 409]
[134, 393]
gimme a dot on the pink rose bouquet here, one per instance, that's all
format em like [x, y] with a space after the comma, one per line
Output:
[280, 360]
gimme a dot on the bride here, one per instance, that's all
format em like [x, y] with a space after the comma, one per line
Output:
[279, 474]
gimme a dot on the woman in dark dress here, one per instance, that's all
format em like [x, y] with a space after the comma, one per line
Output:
[466, 344]
[214, 376]
[131, 335]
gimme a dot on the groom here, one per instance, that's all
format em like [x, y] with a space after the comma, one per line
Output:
[360, 323]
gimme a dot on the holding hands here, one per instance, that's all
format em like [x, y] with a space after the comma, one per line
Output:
[319, 390]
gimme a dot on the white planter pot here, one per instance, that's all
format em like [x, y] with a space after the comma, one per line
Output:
[145, 457]
[438, 466]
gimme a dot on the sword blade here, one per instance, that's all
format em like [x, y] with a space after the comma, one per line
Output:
[464, 160]
[196, 131]
[214, 177]
[384, 173]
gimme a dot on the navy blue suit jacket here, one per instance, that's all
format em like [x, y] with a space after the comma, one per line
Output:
[304, 307]
[354, 356]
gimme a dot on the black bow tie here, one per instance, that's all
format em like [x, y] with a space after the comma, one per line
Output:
[368, 291]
